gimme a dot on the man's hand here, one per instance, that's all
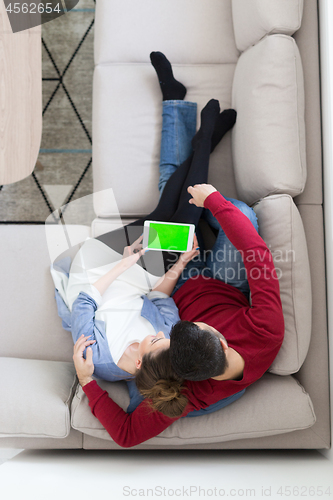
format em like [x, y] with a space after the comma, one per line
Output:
[199, 193]
[132, 253]
[84, 367]
[188, 256]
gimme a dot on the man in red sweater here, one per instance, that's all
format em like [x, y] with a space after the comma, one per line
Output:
[252, 335]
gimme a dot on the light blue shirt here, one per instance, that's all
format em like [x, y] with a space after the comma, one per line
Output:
[162, 313]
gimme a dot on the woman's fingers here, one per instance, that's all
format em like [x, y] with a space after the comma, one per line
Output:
[137, 249]
[136, 242]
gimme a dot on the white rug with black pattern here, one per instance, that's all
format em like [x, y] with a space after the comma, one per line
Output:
[63, 170]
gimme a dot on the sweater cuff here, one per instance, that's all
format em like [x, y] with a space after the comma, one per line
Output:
[92, 390]
[214, 200]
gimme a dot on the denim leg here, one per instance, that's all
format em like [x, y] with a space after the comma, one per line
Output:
[224, 260]
[178, 128]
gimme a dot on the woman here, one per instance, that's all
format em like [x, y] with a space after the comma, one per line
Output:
[136, 311]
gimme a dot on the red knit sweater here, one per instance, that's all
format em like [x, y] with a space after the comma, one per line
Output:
[255, 332]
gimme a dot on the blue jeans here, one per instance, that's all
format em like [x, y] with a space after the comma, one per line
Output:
[223, 261]
[178, 128]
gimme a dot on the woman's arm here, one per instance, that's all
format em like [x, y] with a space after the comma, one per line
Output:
[168, 282]
[131, 255]
[103, 283]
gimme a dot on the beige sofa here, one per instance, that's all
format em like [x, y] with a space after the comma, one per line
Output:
[242, 52]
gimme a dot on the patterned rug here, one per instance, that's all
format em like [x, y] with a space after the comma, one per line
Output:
[63, 171]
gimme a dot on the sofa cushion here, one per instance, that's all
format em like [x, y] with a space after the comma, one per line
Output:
[35, 397]
[253, 19]
[127, 131]
[273, 405]
[102, 226]
[62, 238]
[281, 227]
[29, 317]
[268, 140]
[187, 31]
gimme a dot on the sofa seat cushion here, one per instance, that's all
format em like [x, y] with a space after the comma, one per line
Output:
[29, 317]
[253, 19]
[35, 396]
[102, 226]
[273, 405]
[281, 227]
[268, 140]
[127, 132]
[187, 31]
[65, 237]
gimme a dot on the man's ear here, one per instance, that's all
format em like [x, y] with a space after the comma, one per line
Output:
[224, 345]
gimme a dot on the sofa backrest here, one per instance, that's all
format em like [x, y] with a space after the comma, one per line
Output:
[198, 39]
[268, 139]
[254, 19]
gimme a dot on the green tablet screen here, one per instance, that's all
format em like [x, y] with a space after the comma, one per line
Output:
[168, 237]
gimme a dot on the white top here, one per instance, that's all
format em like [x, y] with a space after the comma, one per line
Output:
[121, 304]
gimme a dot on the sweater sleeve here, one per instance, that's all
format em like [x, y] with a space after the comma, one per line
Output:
[125, 429]
[258, 261]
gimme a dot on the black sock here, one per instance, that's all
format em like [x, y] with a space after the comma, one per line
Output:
[170, 87]
[209, 116]
[225, 121]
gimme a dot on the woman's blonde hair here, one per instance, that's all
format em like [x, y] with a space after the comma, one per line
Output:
[157, 381]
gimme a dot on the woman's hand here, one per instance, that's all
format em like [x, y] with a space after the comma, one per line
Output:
[84, 367]
[188, 256]
[199, 193]
[133, 253]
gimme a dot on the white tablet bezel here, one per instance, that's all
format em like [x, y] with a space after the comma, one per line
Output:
[189, 240]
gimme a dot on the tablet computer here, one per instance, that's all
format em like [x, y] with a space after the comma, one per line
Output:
[168, 236]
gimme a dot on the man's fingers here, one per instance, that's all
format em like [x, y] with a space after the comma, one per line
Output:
[89, 355]
[81, 344]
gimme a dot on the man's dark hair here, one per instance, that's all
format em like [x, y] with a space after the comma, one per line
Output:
[196, 354]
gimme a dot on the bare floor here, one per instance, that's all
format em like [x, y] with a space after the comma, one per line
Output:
[55, 475]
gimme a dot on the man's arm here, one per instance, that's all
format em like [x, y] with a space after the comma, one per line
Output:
[125, 429]
[266, 308]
